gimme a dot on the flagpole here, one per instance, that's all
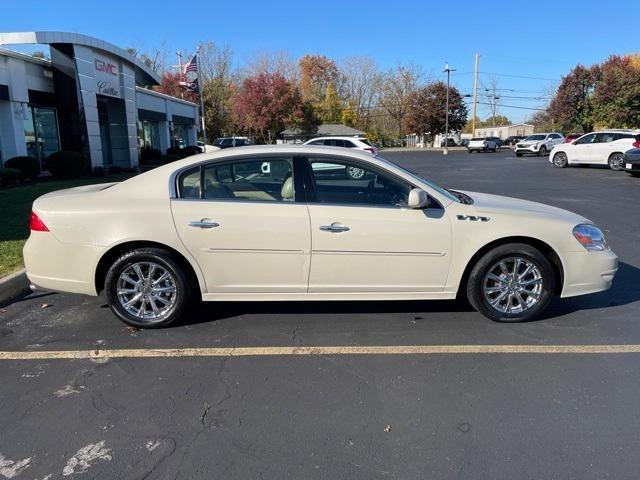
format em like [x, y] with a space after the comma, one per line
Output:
[201, 92]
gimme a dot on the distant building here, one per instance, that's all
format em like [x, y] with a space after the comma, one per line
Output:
[89, 98]
[295, 135]
[520, 129]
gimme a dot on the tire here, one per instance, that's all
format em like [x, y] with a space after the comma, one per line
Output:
[470, 151]
[543, 151]
[482, 289]
[164, 300]
[616, 161]
[518, 154]
[560, 160]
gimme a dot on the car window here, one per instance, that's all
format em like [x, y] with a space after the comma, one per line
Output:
[605, 137]
[586, 139]
[554, 135]
[317, 142]
[348, 144]
[189, 183]
[258, 180]
[621, 136]
[343, 183]
[365, 141]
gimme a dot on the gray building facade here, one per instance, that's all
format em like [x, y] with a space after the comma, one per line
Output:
[89, 97]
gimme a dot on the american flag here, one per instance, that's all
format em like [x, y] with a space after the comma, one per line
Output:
[192, 65]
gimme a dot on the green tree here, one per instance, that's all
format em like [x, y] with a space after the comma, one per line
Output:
[617, 94]
[331, 106]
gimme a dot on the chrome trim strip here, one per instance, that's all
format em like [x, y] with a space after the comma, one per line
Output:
[252, 250]
[378, 252]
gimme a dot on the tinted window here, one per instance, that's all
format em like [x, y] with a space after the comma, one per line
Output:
[620, 136]
[317, 142]
[259, 180]
[604, 137]
[586, 139]
[189, 183]
[554, 135]
[348, 144]
[343, 183]
[365, 141]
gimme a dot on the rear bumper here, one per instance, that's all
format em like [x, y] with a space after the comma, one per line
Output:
[588, 272]
[65, 267]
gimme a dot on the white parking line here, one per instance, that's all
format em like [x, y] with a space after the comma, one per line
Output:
[319, 350]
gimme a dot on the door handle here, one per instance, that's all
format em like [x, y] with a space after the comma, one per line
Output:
[203, 223]
[334, 227]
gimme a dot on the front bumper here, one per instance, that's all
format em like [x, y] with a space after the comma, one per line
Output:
[528, 149]
[631, 167]
[588, 272]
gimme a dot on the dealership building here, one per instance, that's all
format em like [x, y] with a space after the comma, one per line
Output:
[90, 97]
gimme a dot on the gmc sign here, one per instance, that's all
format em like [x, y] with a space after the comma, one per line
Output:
[105, 67]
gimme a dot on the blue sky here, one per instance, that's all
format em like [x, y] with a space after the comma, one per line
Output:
[541, 39]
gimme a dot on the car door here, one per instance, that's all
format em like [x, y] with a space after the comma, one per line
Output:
[581, 149]
[601, 148]
[240, 219]
[365, 239]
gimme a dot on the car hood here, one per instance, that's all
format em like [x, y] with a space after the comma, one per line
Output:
[488, 204]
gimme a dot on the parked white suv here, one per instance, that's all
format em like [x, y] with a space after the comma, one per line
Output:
[539, 143]
[482, 145]
[605, 147]
[358, 143]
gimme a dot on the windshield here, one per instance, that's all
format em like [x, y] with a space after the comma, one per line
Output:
[536, 137]
[440, 190]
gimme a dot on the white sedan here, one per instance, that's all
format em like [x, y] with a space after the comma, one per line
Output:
[605, 147]
[217, 227]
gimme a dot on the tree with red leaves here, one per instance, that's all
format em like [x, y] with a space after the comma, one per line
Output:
[170, 85]
[268, 103]
[573, 105]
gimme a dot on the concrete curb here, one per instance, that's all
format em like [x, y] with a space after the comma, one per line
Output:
[13, 285]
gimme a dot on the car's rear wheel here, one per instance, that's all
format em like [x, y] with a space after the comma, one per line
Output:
[147, 288]
[543, 151]
[560, 160]
[511, 283]
[616, 160]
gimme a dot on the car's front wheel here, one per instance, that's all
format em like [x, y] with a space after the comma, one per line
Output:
[543, 151]
[147, 288]
[511, 283]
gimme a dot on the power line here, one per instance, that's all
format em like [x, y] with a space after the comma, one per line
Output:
[519, 76]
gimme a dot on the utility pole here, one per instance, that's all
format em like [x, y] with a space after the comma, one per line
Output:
[475, 98]
[448, 71]
[201, 94]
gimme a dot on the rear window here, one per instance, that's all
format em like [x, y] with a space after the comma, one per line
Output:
[365, 141]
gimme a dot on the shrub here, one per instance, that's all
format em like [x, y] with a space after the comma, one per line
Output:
[150, 156]
[170, 157]
[98, 172]
[66, 164]
[190, 150]
[28, 167]
[9, 176]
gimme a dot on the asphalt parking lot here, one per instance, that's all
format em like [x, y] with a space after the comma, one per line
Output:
[338, 414]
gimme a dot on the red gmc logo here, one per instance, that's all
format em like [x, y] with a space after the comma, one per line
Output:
[106, 67]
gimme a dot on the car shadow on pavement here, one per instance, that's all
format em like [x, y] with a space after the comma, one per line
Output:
[212, 311]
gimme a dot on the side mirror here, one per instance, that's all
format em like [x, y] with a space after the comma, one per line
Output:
[418, 198]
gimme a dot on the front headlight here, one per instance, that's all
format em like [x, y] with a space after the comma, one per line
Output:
[590, 237]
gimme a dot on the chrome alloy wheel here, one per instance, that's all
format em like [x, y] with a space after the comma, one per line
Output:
[513, 285]
[146, 290]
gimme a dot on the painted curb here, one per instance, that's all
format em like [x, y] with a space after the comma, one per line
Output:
[13, 285]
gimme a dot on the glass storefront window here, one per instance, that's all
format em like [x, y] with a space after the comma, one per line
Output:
[180, 135]
[148, 134]
[41, 132]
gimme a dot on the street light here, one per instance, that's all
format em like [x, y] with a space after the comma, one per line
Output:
[448, 71]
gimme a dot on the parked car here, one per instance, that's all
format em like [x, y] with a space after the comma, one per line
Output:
[513, 139]
[572, 136]
[219, 229]
[497, 140]
[632, 160]
[359, 143]
[450, 143]
[539, 143]
[229, 142]
[481, 145]
[605, 147]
